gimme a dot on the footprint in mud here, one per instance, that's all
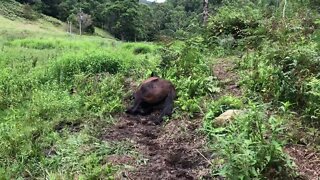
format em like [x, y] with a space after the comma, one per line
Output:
[149, 134]
[180, 159]
[169, 148]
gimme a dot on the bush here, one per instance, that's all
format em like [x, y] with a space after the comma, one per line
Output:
[80, 154]
[232, 23]
[89, 62]
[278, 72]
[28, 12]
[103, 96]
[312, 111]
[142, 50]
[249, 147]
[183, 63]
[52, 43]
[223, 104]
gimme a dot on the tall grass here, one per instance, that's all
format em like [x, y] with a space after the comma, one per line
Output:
[55, 92]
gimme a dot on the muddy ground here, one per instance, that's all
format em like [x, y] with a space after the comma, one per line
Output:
[306, 160]
[224, 70]
[173, 150]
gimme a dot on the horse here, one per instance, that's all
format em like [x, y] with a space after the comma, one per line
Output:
[152, 92]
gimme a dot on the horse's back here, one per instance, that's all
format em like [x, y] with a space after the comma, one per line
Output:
[150, 80]
[154, 89]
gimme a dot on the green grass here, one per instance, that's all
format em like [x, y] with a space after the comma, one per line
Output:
[46, 130]
[39, 64]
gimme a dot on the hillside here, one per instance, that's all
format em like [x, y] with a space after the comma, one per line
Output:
[45, 131]
[14, 22]
[244, 92]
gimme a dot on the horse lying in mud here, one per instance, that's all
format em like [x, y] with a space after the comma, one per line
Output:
[153, 92]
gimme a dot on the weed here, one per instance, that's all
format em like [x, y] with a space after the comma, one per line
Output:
[249, 147]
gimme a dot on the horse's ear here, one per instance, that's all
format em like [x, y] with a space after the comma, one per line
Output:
[153, 74]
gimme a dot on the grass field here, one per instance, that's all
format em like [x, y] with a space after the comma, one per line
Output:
[45, 130]
[63, 96]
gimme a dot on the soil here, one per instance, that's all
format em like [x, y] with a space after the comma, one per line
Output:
[173, 150]
[306, 160]
[223, 69]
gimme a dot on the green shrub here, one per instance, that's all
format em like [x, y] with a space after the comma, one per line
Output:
[215, 108]
[185, 66]
[80, 154]
[232, 23]
[142, 50]
[277, 71]
[89, 62]
[28, 12]
[102, 98]
[312, 111]
[249, 147]
[14, 88]
[53, 43]
[52, 103]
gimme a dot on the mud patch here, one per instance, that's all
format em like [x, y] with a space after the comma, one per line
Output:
[307, 161]
[171, 151]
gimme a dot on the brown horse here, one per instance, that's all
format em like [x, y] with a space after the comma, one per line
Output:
[152, 92]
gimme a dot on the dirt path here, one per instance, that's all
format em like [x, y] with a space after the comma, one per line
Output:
[307, 161]
[172, 151]
[223, 69]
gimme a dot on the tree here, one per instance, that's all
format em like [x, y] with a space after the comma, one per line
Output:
[122, 19]
[205, 11]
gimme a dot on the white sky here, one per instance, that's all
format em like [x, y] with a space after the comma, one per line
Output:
[159, 1]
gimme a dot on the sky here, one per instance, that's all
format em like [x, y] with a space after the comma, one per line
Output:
[159, 1]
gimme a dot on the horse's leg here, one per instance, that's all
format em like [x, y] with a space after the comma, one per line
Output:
[146, 108]
[135, 106]
[168, 107]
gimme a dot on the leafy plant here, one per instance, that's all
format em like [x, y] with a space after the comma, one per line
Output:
[216, 108]
[184, 65]
[249, 147]
[312, 111]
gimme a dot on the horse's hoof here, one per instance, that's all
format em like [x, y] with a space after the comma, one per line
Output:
[128, 111]
[157, 122]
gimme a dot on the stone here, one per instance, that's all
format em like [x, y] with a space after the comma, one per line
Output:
[227, 117]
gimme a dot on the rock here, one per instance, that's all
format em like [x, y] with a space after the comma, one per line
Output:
[227, 117]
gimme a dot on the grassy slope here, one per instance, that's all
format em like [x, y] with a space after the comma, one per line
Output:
[13, 23]
[44, 131]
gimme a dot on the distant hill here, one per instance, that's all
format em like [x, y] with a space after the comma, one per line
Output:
[13, 21]
[15, 18]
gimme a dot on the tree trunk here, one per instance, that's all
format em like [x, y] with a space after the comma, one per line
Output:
[205, 11]
[122, 36]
